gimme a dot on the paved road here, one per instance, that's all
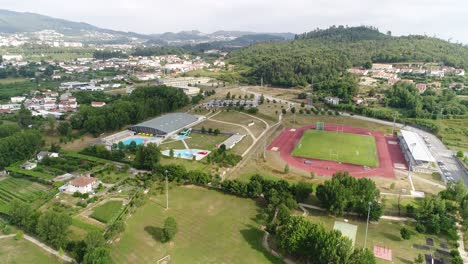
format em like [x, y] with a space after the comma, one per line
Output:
[440, 152]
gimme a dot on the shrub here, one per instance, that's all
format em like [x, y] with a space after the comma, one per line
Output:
[405, 233]
[420, 228]
[170, 229]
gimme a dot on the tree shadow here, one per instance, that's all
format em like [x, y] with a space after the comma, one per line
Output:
[405, 261]
[155, 232]
[391, 236]
[254, 237]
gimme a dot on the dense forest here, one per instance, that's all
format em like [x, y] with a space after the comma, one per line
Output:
[143, 103]
[321, 56]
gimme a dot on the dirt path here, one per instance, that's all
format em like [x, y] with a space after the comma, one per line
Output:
[64, 257]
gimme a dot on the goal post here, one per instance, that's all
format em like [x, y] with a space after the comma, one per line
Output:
[164, 260]
[320, 126]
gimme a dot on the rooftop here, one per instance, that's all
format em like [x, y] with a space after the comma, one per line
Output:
[417, 146]
[170, 122]
[82, 181]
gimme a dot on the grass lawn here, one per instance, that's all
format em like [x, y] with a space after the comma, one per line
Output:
[195, 141]
[384, 233]
[23, 251]
[107, 212]
[212, 228]
[342, 147]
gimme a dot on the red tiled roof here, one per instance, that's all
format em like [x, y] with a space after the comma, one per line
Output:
[82, 181]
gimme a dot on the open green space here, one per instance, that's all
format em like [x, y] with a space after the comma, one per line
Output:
[386, 234]
[23, 251]
[341, 147]
[196, 141]
[107, 212]
[212, 228]
[20, 189]
[79, 229]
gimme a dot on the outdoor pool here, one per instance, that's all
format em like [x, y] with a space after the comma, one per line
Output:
[185, 153]
[138, 141]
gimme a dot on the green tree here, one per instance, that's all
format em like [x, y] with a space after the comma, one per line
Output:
[99, 255]
[52, 227]
[302, 190]
[460, 154]
[147, 157]
[24, 117]
[203, 130]
[216, 131]
[19, 235]
[419, 259]
[405, 233]
[228, 95]
[286, 168]
[170, 229]
[362, 256]
[171, 153]
[64, 128]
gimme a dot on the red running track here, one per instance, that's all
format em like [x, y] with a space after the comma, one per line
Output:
[389, 153]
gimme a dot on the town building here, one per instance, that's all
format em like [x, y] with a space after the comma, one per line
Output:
[98, 104]
[42, 154]
[416, 152]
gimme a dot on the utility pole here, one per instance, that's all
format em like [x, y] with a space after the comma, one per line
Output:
[367, 225]
[167, 191]
[394, 120]
[261, 81]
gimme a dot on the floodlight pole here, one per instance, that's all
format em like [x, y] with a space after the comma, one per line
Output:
[367, 224]
[167, 191]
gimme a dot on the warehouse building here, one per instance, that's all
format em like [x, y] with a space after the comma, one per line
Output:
[416, 152]
[167, 125]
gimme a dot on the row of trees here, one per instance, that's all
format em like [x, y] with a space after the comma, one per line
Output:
[143, 103]
[346, 194]
[52, 225]
[108, 54]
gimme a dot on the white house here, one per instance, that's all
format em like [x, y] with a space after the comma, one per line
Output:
[332, 100]
[82, 184]
[29, 165]
[17, 99]
[41, 155]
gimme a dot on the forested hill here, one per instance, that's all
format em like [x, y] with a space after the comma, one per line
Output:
[321, 56]
[342, 33]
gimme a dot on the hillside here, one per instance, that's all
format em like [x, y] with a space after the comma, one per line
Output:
[320, 56]
[14, 22]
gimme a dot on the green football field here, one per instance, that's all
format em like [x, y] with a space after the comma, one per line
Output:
[341, 147]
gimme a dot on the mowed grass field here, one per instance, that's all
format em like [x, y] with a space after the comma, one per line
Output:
[105, 213]
[212, 228]
[23, 251]
[341, 147]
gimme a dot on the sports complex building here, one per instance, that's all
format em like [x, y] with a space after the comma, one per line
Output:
[416, 152]
[166, 125]
[154, 130]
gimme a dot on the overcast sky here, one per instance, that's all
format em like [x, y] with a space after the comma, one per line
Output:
[442, 18]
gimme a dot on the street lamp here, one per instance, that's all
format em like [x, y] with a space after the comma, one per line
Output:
[167, 190]
[367, 225]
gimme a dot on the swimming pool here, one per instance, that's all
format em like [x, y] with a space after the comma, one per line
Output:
[138, 141]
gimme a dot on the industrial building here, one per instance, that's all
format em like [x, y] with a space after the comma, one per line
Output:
[182, 81]
[167, 125]
[416, 152]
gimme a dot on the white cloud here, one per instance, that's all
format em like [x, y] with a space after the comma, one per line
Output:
[446, 19]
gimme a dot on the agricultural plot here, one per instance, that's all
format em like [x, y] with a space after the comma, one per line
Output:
[341, 147]
[107, 212]
[20, 189]
[64, 164]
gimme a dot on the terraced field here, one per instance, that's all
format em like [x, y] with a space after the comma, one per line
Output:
[19, 189]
